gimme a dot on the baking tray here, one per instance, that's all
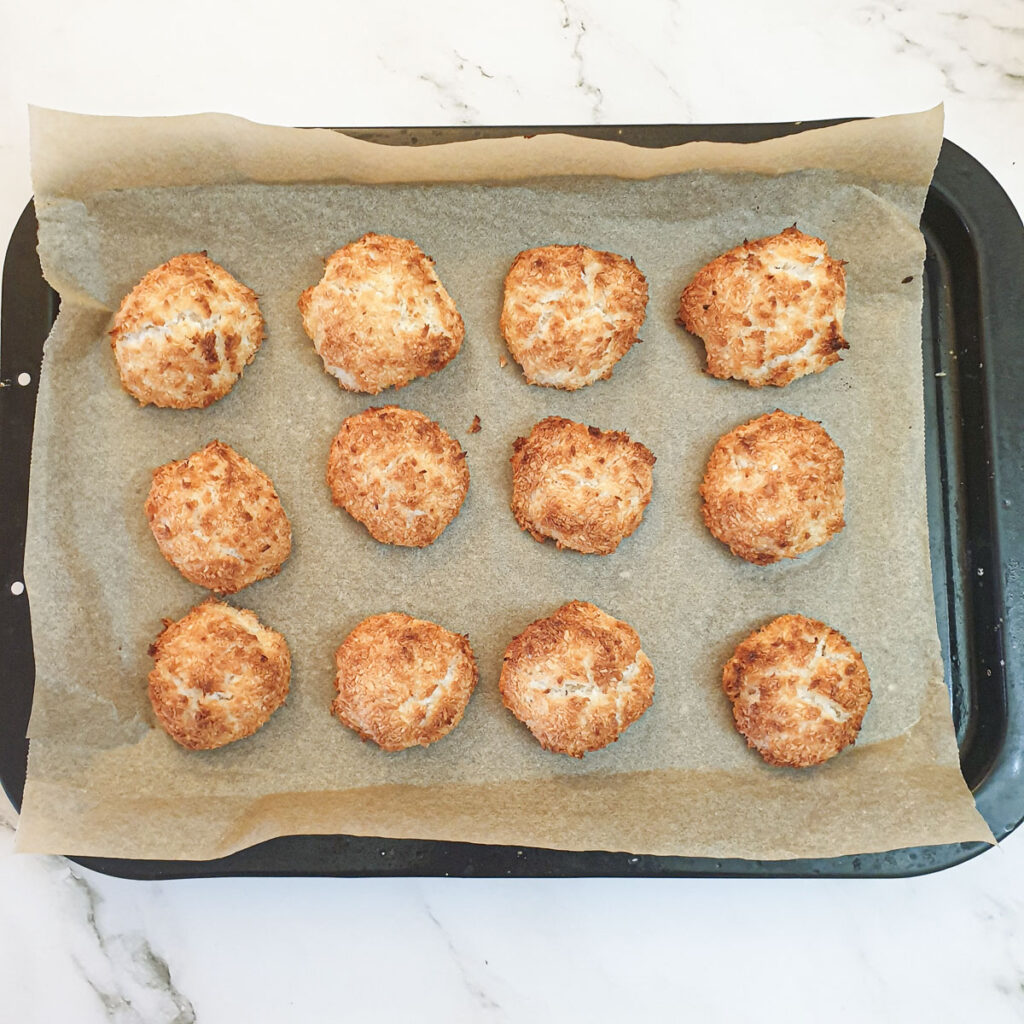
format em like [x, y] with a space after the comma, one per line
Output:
[974, 408]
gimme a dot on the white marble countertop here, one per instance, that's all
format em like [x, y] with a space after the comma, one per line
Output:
[77, 946]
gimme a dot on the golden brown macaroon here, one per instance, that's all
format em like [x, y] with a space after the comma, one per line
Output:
[185, 332]
[582, 487]
[571, 313]
[380, 316]
[218, 675]
[399, 474]
[218, 519]
[577, 679]
[774, 488]
[402, 681]
[799, 691]
[769, 311]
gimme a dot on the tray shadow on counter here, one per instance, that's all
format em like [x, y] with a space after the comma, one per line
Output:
[973, 304]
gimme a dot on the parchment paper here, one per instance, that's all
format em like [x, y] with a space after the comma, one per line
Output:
[119, 196]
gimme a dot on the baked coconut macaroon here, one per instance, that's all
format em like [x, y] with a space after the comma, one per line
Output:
[403, 682]
[799, 691]
[774, 488]
[218, 520]
[577, 679]
[582, 487]
[218, 675]
[380, 316]
[571, 313]
[185, 332]
[769, 311]
[399, 474]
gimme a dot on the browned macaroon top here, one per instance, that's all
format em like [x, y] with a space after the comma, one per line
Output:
[577, 679]
[571, 313]
[403, 682]
[380, 316]
[218, 675]
[399, 474]
[770, 310]
[185, 332]
[774, 488]
[582, 487]
[799, 691]
[218, 520]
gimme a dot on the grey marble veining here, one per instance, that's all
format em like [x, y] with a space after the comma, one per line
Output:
[476, 989]
[118, 975]
[131, 981]
[978, 51]
[575, 29]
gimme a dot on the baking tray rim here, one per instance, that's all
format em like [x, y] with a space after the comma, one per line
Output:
[864, 865]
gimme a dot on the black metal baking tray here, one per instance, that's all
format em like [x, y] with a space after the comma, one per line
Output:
[974, 404]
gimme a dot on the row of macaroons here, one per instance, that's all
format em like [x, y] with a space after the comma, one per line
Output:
[768, 311]
[576, 679]
[773, 489]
